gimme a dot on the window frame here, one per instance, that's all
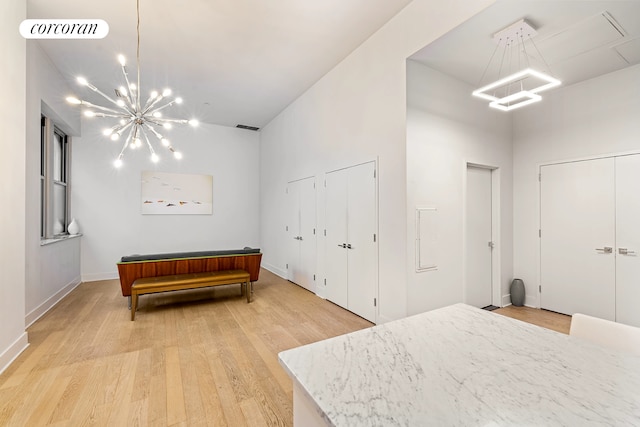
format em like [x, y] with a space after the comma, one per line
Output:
[50, 135]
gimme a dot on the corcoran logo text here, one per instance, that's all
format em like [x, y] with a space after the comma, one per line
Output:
[64, 28]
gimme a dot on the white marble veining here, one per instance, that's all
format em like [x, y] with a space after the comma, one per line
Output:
[462, 366]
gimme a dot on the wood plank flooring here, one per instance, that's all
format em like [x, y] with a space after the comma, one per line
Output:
[188, 359]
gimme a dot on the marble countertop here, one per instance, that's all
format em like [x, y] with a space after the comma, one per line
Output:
[460, 365]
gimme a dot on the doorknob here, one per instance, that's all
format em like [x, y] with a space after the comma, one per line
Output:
[606, 249]
[625, 251]
[299, 237]
[349, 246]
[344, 245]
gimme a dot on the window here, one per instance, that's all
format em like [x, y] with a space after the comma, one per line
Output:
[54, 179]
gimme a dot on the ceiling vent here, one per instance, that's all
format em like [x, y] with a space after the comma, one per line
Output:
[248, 127]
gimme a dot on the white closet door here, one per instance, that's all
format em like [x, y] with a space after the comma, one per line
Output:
[307, 240]
[628, 240]
[361, 247]
[478, 251]
[293, 225]
[577, 209]
[336, 239]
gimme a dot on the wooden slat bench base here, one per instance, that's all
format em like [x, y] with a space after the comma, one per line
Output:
[177, 282]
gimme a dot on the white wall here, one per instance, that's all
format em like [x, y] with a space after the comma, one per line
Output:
[356, 113]
[106, 201]
[13, 338]
[593, 118]
[446, 129]
[53, 270]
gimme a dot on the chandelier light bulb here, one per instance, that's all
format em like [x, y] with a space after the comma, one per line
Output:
[177, 155]
[73, 100]
[165, 142]
[120, 102]
[122, 122]
[117, 162]
[157, 114]
[82, 81]
[166, 92]
[89, 113]
[155, 158]
[154, 94]
[115, 136]
[122, 60]
[178, 100]
[194, 122]
[167, 125]
[107, 132]
[123, 90]
[132, 86]
[138, 142]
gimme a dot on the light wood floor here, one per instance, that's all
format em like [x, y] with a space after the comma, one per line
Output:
[187, 360]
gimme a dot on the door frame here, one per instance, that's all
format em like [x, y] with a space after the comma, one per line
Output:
[496, 290]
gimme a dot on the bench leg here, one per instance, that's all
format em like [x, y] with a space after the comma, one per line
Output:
[129, 302]
[134, 306]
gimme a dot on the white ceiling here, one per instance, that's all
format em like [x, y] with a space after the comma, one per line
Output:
[232, 61]
[573, 36]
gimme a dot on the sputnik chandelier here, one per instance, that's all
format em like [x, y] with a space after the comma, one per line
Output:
[136, 120]
[522, 87]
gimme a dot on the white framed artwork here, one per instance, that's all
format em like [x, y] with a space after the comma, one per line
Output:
[164, 193]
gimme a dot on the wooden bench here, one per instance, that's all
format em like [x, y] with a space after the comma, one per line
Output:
[177, 282]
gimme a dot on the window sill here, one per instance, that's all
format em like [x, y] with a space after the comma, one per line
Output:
[56, 239]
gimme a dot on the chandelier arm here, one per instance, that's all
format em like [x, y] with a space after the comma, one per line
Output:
[149, 106]
[155, 132]
[162, 107]
[161, 120]
[117, 116]
[126, 79]
[122, 128]
[99, 107]
[146, 138]
[104, 95]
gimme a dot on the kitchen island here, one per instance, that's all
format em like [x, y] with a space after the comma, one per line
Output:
[460, 365]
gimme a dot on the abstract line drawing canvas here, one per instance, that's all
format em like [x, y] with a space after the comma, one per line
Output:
[176, 194]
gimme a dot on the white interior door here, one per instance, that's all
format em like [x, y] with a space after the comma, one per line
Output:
[361, 246]
[336, 238]
[577, 216]
[293, 232]
[307, 234]
[628, 240]
[479, 245]
[301, 261]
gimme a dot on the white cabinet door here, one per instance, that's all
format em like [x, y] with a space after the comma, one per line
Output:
[577, 216]
[361, 247]
[301, 260]
[628, 240]
[351, 251]
[336, 238]
[478, 248]
[308, 248]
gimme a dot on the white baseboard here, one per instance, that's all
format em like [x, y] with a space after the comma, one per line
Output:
[94, 277]
[275, 270]
[39, 311]
[13, 351]
[506, 300]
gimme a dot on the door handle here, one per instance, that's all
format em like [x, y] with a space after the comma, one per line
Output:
[299, 237]
[349, 246]
[606, 249]
[344, 245]
[625, 251]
